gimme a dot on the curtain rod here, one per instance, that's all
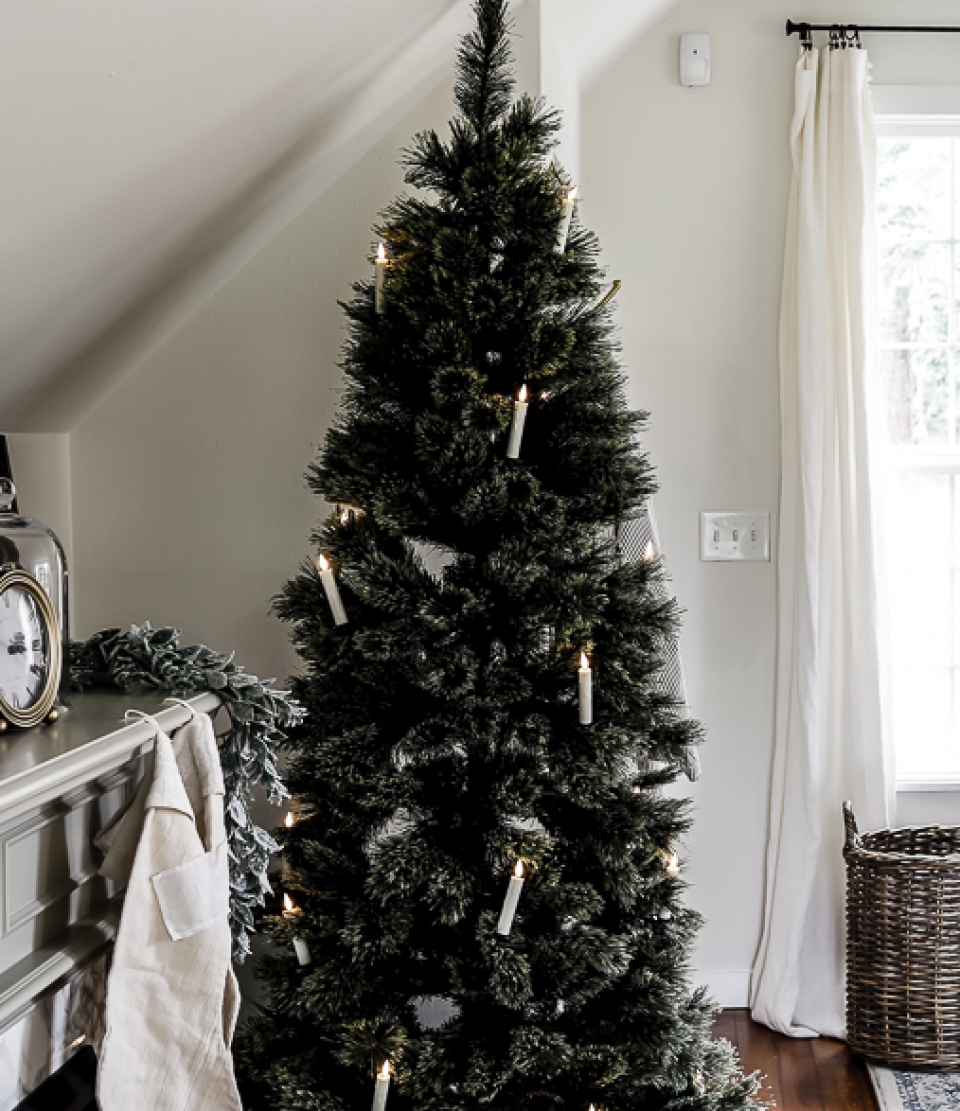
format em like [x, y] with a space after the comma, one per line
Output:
[804, 29]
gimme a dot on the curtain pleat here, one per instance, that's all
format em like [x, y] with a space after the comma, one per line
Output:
[831, 739]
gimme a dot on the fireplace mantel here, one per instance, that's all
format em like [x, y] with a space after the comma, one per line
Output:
[59, 785]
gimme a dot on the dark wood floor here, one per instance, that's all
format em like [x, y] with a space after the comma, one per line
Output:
[802, 1074]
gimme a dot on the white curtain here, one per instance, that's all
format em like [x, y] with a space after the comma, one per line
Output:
[831, 741]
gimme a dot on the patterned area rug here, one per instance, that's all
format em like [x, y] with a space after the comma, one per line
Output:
[915, 1091]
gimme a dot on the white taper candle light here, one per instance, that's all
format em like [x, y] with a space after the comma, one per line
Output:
[380, 267]
[586, 691]
[673, 865]
[333, 593]
[516, 429]
[287, 871]
[510, 901]
[569, 204]
[649, 553]
[300, 947]
[383, 1086]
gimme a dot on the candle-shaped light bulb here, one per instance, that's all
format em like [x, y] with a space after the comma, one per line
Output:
[569, 204]
[649, 552]
[516, 429]
[287, 871]
[291, 910]
[332, 592]
[586, 690]
[382, 1087]
[510, 901]
[381, 272]
[673, 865]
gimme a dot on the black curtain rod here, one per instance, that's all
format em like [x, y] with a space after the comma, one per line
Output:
[804, 29]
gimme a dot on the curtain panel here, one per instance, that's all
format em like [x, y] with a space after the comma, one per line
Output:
[831, 742]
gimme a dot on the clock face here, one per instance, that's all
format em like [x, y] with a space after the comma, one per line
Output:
[25, 651]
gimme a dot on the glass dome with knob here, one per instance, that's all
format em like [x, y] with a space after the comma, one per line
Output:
[34, 548]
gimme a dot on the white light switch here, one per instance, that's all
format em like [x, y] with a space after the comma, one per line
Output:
[735, 536]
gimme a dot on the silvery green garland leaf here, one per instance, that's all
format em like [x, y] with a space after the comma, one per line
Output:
[258, 715]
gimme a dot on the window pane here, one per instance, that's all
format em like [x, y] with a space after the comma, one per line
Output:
[915, 396]
[922, 618]
[918, 520]
[913, 189]
[923, 721]
[915, 293]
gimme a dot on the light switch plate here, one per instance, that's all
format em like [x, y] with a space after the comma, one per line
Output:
[735, 536]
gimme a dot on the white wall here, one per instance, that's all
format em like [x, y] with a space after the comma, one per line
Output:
[188, 502]
[687, 189]
[150, 150]
[41, 472]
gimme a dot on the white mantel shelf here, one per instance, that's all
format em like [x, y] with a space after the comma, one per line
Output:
[59, 784]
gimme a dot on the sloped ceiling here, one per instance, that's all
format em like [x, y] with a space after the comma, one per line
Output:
[151, 149]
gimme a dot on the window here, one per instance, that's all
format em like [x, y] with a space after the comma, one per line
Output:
[919, 238]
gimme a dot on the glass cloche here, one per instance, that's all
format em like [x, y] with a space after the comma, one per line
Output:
[34, 547]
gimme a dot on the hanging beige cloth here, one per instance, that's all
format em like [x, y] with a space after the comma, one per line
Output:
[172, 998]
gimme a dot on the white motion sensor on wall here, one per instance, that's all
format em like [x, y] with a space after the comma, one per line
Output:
[694, 59]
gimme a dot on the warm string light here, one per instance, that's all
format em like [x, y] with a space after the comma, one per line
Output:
[649, 553]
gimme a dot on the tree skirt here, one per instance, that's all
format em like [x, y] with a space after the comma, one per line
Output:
[915, 1091]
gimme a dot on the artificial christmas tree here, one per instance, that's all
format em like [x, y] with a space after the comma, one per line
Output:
[483, 870]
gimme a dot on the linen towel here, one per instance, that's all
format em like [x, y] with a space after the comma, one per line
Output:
[172, 997]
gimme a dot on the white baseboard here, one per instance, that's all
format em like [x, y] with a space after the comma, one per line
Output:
[728, 987]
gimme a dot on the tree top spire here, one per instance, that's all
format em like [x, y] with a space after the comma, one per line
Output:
[484, 78]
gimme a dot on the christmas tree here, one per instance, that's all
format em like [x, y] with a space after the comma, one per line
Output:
[483, 878]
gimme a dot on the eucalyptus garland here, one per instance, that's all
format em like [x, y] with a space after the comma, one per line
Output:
[258, 715]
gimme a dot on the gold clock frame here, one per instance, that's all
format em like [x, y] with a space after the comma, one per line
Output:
[26, 719]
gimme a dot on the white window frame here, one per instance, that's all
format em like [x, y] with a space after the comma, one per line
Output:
[914, 111]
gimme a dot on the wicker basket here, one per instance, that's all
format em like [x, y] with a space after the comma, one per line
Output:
[903, 945]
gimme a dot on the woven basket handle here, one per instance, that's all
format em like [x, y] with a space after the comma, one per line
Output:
[850, 826]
